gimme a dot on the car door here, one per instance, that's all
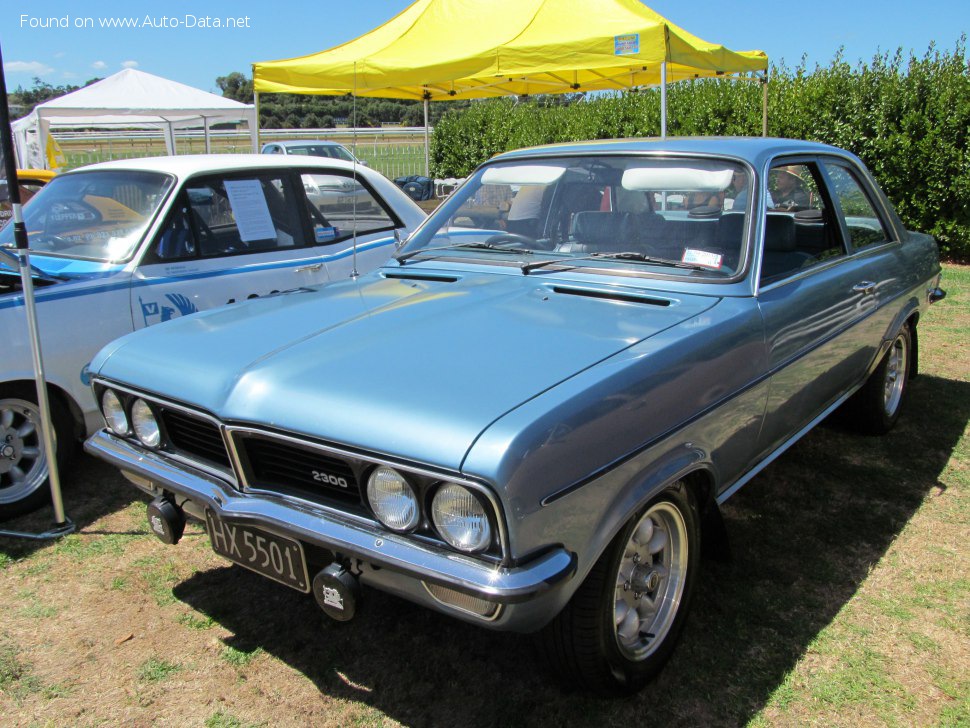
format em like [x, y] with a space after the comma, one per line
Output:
[233, 237]
[227, 238]
[816, 301]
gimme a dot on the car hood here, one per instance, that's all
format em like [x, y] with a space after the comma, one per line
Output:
[411, 367]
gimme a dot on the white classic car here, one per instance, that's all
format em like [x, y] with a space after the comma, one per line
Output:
[123, 245]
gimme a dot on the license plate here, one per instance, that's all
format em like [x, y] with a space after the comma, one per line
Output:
[275, 557]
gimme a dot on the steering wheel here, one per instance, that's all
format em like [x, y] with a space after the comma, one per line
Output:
[50, 242]
[513, 239]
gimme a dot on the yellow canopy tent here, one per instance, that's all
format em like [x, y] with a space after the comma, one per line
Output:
[439, 50]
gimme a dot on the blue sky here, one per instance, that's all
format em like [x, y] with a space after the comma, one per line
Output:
[197, 55]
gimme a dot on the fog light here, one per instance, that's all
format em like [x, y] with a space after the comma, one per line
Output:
[145, 424]
[460, 518]
[393, 500]
[114, 414]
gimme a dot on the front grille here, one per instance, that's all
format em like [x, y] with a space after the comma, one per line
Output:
[305, 472]
[195, 436]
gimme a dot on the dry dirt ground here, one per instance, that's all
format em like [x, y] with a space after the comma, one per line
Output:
[847, 602]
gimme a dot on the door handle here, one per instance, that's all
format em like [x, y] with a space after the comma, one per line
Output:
[866, 288]
[308, 268]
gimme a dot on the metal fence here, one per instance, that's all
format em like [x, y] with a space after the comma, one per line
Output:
[394, 152]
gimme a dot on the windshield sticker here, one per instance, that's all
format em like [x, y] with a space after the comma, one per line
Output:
[322, 233]
[625, 45]
[250, 210]
[702, 257]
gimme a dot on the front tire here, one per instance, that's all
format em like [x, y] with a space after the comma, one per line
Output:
[623, 622]
[23, 460]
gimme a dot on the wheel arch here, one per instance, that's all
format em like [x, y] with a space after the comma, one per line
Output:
[54, 391]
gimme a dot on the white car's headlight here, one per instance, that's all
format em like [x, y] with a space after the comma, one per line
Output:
[145, 424]
[393, 500]
[114, 413]
[460, 518]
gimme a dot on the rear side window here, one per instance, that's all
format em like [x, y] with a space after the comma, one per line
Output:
[800, 229]
[864, 225]
[339, 205]
[227, 216]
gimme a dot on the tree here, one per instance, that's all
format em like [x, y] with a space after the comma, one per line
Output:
[236, 86]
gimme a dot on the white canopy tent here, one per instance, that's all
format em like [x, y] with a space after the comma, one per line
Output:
[129, 98]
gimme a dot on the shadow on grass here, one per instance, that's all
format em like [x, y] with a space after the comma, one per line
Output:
[92, 489]
[804, 534]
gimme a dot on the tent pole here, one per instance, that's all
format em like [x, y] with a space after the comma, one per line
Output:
[21, 261]
[764, 106]
[205, 131]
[254, 132]
[427, 143]
[663, 100]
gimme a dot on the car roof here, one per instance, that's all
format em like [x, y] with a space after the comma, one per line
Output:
[305, 143]
[190, 164]
[752, 149]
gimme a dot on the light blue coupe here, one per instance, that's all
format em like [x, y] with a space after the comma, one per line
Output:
[593, 346]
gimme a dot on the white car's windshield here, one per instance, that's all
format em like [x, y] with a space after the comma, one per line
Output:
[97, 215]
[681, 216]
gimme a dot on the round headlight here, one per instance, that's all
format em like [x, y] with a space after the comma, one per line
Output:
[145, 424]
[393, 500]
[460, 518]
[114, 413]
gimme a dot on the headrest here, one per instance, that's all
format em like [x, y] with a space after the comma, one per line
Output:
[779, 233]
[705, 211]
[808, 216]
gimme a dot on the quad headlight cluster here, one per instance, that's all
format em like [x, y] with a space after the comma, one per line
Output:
[136, 417]
[456, 512]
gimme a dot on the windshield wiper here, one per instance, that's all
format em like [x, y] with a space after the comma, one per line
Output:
[625, 255]
[475, 246]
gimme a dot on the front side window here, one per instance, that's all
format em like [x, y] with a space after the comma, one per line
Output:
[339, 205]
[642, 214]
[224, 216]
[864, 226]
[97, 215]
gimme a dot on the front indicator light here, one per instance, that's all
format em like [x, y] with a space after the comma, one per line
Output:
[145, 424]
[460, 518]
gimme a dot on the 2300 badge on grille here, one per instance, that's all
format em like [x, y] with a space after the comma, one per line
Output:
[276, 557]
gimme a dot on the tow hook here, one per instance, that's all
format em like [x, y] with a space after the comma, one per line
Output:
[337, 591]
[166, 520]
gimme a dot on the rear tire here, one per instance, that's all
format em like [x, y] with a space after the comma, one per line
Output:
[875, 408]
[23, 462]
[622, 624]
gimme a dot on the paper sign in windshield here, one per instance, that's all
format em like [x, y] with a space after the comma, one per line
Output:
[250, 210]
[625, 45]
[702, 257]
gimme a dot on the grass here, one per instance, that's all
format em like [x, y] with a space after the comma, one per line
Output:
[155, 670]
[390, 159]
[847, 602]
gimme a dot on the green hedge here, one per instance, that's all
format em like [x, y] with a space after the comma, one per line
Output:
[907, 118]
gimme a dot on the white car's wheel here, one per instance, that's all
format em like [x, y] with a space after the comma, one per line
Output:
[23, 460]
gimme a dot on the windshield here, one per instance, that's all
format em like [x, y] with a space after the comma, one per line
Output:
[607, 212]
[97, 215]
[334, 151]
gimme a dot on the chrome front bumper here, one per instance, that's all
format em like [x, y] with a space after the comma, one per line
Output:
[338, 532]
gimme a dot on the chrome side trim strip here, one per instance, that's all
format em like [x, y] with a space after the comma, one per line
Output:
[744, 479]
[331, 531]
